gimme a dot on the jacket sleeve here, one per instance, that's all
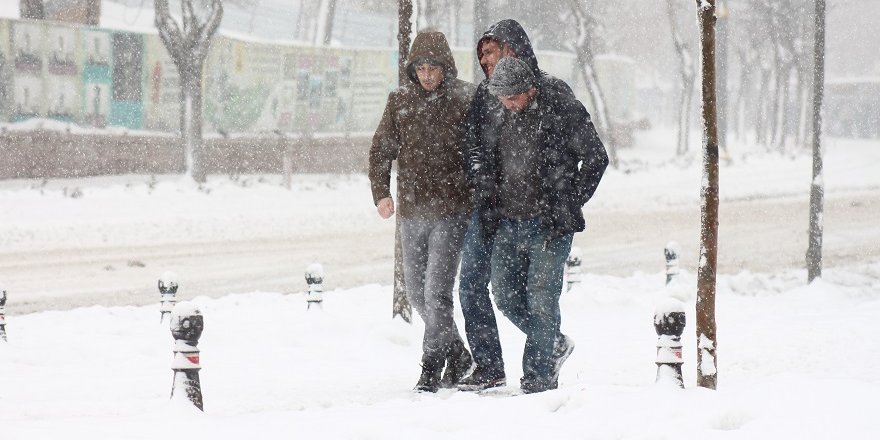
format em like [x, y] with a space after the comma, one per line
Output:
[470, 144]
[590, 152]
[384, 150]
[474, 151]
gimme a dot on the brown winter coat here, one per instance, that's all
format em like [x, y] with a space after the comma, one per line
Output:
[423, 131]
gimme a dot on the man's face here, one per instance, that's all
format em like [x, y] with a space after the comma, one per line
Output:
[430, 76]
[491, 52]
[518, 103]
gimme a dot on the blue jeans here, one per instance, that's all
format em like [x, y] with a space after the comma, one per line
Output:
[476, 306]
[527, 282]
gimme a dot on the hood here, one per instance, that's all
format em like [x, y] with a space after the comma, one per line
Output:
[431, 45]
[511, 32]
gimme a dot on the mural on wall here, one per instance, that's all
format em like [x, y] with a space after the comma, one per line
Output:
[27, 42]
[62, 98]
[162, 97]
[62, 74]
[96, 78]
[375, 77]
[100, 77]
[97, 46]
[60, 44]
[126, 105]
[27, 45]
[261, 88]
[232, 106]
[28, 96]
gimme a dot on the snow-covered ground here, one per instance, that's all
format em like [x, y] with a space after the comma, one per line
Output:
[795, 361]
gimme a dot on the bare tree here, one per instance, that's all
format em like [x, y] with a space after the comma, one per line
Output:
[817, 187]
[32, 9]
[481, 22]
[429, 13]
[588, 30]
[707, 363]
[686, 77]
[401, 305]
[187, 44]
[770, 43]
[324, 21]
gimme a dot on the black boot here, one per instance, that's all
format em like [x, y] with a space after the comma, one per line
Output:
[458, 364]
[432, 367]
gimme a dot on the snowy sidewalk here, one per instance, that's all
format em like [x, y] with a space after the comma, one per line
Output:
[794, 362]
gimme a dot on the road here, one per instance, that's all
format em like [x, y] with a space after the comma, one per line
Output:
[763, 235]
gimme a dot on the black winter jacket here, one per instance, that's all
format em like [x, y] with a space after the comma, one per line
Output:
[573, 158]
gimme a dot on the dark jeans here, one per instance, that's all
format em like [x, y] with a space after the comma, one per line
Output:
[473, 292]
[527, 282]
[431, 251]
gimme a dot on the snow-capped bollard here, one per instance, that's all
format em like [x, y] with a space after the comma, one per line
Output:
[669, 322]
[573, 267]
[3, 313]
[168, 291]
[672, 251]
[187, 324]
[315, 278]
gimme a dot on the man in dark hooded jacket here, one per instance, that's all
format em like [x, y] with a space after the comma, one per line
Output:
[421, 128]
[486, 119]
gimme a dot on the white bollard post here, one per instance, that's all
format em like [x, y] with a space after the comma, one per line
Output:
[187, 324]
[672, 251]
[168, 291]
[573, 266]
[315, 280]
[669, 322]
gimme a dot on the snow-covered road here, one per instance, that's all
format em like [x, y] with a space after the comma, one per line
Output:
[763, 235]
[109, 244]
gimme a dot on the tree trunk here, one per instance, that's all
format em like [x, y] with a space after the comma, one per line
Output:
[325, 22]
[723, 44]
[187, 45]
[481, 23]
[191, 124]
[707, 373]
[739, 109]
[454, 21]
[784, 109]
[586, 60]
[817, 187]
[764, 97]
[686, 76]
[401, 305]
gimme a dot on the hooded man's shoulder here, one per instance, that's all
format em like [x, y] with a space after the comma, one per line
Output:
[460, 90]
[554, 85]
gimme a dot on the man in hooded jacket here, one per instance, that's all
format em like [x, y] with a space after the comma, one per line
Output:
[422, 128]
[486, 117]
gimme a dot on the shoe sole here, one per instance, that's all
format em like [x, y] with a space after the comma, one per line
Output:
[478, 388]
